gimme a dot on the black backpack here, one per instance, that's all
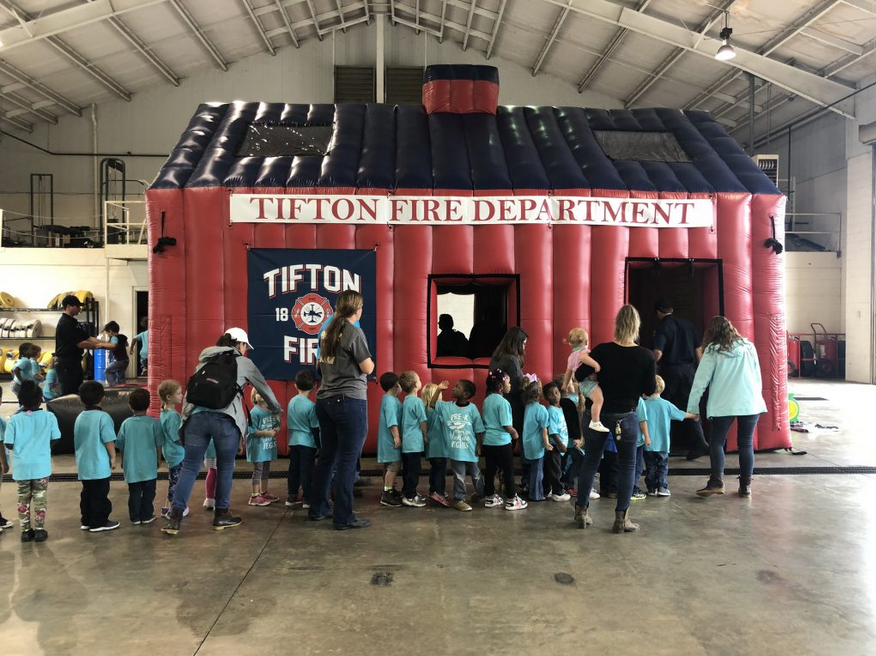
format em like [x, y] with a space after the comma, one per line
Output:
[214, 385]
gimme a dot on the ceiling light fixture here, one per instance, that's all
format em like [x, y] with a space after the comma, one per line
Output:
[726, 51]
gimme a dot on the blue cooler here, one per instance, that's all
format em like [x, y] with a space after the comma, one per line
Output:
[100, 361]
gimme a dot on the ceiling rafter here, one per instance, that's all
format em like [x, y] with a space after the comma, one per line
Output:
[606, 54]
[189, 20]
[498, 24]
[39, 88]
[27, 107]
[316, 26]
[552, 36]
[17, 122]
[831, 40]
[471, 11]
[341, 15]
[285, 16]
[261, 30]
[443, 19]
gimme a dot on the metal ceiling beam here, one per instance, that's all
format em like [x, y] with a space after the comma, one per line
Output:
[312, 10]
[673, 57]
[471, 11]
[27, 107]
[867, 6]
[829, 39]
[286, 22]
[495, 33]
[38, 87]
[17, 122]
[417, 17]
[434, 18]
[341, 15]
[259, 28]
[844, 62]
[443, 19]
[552, 36]
[189, 20]
[613, 45]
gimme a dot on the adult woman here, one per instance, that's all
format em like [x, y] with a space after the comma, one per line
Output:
[342, 412]
[730, 369]
[225, 426]
[508, 357]
[627, 372]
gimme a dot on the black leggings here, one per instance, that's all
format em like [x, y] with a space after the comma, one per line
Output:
[499, 457]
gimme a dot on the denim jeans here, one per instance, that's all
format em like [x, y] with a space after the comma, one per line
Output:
[640, 465]
[535, 478]
[438, 475]
[115, 372]
[343, 426]
[656, 470]
[199, 429]
[301, 461]
[594, 445]
[745, 425]
[460, 469]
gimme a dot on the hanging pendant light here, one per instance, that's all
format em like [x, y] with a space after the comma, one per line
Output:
[726, 51]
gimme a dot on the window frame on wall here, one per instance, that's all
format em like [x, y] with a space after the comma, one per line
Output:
[512, 313]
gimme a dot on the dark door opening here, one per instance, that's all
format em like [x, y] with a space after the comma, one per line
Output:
[695, 287]
[142, 323]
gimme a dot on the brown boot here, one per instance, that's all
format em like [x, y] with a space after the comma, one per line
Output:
[745, 486]
[223, 519]
[622, 523]
[714, 486]
[582, 516]
[173, 522]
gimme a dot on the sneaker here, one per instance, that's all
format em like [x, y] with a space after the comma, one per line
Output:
[572, 492]
[652, 493]
[387, 498]
[363, 482]
[305, 506]
[461, 505]
[515, 504]
[356, 523]
[396, 493]
[440, 500]
[135, 522]
[258, 500]
[165, 512]
[476, 497]
[40, 535]
[291, 503]
[5, 523]
[559, 497]
[28, 535]
[494, 501]
[210, 504]
[270, 497]
[598, 427]
[84, 527]
[664, 492]
[223, 519]
[149, 520]
[185, 512]
[109, 526]
[638, 495]
[594, 494]
[415, 501]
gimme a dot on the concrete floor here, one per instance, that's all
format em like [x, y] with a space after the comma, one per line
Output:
[790, 571]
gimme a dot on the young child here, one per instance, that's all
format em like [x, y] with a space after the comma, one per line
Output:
[94, 440]
[535, 438]
[414, 438]
[4, 465]
[643, 441]
[140, 439]
[29, 434]
[27, 367]
[52, 386]
[389, 438]
[498, 449]
[578, 340]
[116, 368]
[660, 414]
[436, 444]
[171, 395]
[558, 436]
[261, 449]
[465, 432]
[303, 429]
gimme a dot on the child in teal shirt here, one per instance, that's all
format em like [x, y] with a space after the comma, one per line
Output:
[261, 449]
[389, 438]
[643, 441]
[558, 436]
[660, 415]
[436, 442]
[303, 429]
[497, 449]
[52, 386]
[4, 466]
[465, 431]
[94, 439]
[140, 440]
[170, 393]
[535, 438]
[413, 434]
[27, 367]
[29, 434]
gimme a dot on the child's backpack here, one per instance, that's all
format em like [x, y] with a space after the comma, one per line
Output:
[214, 385]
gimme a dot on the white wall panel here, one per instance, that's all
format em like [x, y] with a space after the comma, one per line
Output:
[813, 293]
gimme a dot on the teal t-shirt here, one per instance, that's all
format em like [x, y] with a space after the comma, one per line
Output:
[262, 448]
[641, 415]
[535, 420]
[92, 430]
[139, 440]
[557, 426]
[660, 415]
[497, 414]
[390, 415]
[463, 425]
[28, 370]
[436, 429]
[51, 386]
[171, 448]
[143, 338]
[300, 421]
[29, 434]
[413, 413]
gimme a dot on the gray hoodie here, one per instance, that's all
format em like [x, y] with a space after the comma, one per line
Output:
[247, 372]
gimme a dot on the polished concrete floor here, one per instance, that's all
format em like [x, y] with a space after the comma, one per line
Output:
[790, 571]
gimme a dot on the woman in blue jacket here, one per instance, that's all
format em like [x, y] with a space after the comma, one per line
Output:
[730, 369]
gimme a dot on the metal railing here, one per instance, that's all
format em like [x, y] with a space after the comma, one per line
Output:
[126, 222]
[799, 224]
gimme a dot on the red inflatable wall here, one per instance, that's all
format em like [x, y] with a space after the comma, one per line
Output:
[569, 276]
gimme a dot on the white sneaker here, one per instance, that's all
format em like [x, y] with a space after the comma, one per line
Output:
[594, 494]
[598, 427]
[414, 502]
[209, 504]
[494, 501]
[515, 504]
[559, 497]
[664, 492]
[186, 512]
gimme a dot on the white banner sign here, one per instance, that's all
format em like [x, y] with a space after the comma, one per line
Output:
[449, 210]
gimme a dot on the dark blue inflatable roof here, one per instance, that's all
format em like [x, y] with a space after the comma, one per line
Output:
[378, 146]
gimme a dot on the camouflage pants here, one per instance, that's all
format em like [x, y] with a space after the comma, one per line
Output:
[32, 503]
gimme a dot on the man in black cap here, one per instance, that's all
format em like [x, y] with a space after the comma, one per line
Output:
[71, 340]
[677, 349]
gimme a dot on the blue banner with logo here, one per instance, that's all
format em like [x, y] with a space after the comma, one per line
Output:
[292, 293]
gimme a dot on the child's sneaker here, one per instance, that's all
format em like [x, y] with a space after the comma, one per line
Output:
[209, 504]
[460, 504]
[270, 497]
[593, 493]
[185, 512]
[387, 498]
[28, 535]
[291, 502]
[441, 501]
[652, 493]
[476, 497]
[5, 523]
[572, 492]
[305, 506]
[598, 427]
[258, 500]
[559, 497]
[109, 526]
[415, 501]
[515, 504]
[165, 512]
[148, 521]
[664, 492]
[494, 501]
[638, 495]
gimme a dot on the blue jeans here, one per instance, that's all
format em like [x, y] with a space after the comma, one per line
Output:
[343, 427]
[460, 468]
[115, 372]
[745, 437]
[199, 429]
[594, 445]
[640, 465]
[656, 470]
[535, 479]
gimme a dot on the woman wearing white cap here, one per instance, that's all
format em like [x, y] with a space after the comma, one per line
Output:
[226, 426]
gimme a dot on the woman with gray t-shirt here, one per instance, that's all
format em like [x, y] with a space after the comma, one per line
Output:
[342, 412]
